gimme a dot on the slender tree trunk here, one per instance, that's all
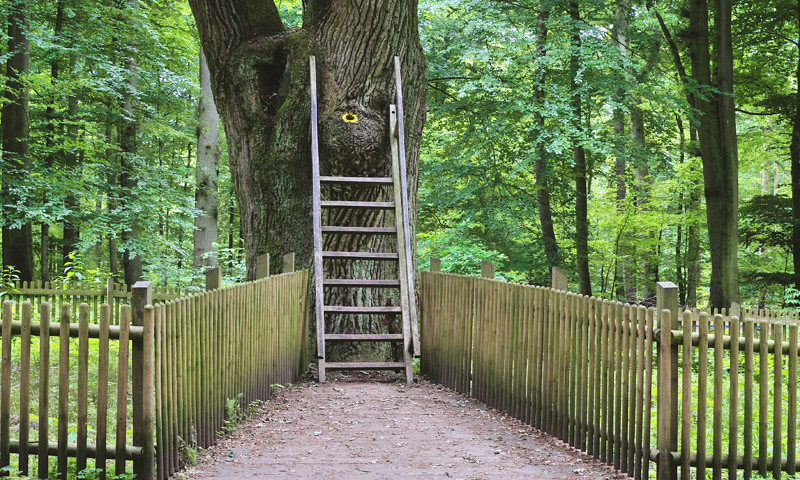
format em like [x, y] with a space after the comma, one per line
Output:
[649, 262]
[52, 155]
[693, 241]
[579, 154]
[776, 183]
[71, 234]
[794, 149]
[131, 260]
[717, 135]
[625, 248]
[231, 222]
[17, 240]
[44, 252]
[541, 170]
[112, 204]
[206, 229]
[680, 257]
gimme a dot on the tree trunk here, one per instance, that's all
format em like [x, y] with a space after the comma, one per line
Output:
[625, 248]
[131, 260]
[649, 262]
[541, 171]
[206, 227]
[112, 203]
[717, 135]
[693, 241]
[52, 155]
[794, 149]
[71, 233]
[17, 232]
[260, 79]
[579, 153]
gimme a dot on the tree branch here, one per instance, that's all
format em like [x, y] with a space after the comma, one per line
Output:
[676, 57]
[225, 24]
[765, 114]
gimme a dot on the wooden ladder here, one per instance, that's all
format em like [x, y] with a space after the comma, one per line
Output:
[402, 257]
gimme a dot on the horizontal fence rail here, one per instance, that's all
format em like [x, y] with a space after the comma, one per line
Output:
[114, 294]
[135, 396]
[676, 394]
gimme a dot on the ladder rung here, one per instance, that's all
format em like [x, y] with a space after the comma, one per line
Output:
[365, 337]
[365, 230]
[340, 309]
[364, 180]
[357, 282]
[365, 365]
[354, 204]
[361, 255]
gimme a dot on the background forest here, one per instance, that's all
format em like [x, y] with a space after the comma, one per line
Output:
[558, 133]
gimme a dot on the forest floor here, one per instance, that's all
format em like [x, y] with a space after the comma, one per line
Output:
[374, 426]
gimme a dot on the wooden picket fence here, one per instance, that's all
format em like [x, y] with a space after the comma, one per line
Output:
[182, 362]
[622, 383]
[232, 344]
[114, 294]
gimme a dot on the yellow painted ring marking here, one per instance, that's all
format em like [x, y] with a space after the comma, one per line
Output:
[350, 118]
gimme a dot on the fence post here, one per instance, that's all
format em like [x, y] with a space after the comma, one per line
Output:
[213, 278]
[262, 266]
[668, 319]
[735, 310]
[288, 263]
[436, 264]
[110, 291]
[559, 279]
[487, 269]
[142, 361]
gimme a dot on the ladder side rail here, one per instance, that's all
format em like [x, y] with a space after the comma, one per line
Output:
[400, 132]
[320, 297]
[401, 246]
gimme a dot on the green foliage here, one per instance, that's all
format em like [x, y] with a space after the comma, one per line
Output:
[187, 452]
[234, 414]
[478, 187]
[76, 120]
[791, 298]
[8, 278]
[766, 221]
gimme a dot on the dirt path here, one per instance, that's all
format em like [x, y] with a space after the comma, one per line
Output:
[362, 428]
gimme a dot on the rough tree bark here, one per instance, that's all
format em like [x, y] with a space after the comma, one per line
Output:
[581, 190]
[17, 239]
[206, 225]
[260, 79]
[717, 136]
[541, 170]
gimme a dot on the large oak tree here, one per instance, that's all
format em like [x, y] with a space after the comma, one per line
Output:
[260, 80]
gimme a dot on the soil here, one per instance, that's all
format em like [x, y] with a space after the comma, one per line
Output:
[374, 426]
